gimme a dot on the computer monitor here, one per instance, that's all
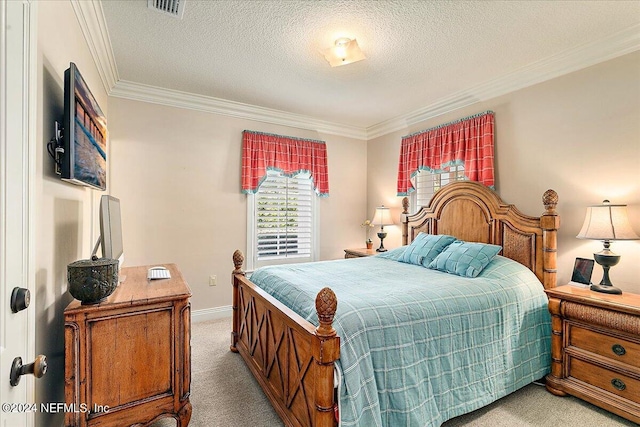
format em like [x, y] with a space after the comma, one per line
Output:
[110, 240]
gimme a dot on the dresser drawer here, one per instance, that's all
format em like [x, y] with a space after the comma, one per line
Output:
[611, 381]
[611, 347]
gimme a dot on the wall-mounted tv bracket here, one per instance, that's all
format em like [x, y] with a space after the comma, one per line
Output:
[55, 148]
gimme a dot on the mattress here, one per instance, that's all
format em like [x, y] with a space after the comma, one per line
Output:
[419, 346]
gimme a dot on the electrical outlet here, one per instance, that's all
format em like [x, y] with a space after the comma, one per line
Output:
[212, 280]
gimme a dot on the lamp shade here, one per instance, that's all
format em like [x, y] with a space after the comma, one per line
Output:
[382, 216]
[607, 222]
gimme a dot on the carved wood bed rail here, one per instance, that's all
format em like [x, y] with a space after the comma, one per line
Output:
[293, 360]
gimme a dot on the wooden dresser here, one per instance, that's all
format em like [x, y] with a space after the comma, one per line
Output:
[128, 359]
[596, 348]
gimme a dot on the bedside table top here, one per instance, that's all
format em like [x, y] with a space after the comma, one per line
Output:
[361, 251]
[627, 302]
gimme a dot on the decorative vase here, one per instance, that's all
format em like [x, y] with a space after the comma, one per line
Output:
[369, 244]
[92, 281]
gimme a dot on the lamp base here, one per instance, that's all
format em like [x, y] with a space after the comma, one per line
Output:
[606, 259]
[382, 235]
[606, 289]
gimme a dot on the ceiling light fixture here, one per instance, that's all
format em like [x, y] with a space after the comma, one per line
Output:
[345, 51]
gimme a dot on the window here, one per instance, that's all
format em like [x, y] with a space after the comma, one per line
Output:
[427, 183]
[282, 177]
[282, 226]
[465, 142]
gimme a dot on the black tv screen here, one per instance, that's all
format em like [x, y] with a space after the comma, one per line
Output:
[84, 161]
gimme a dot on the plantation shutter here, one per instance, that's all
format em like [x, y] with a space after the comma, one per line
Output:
[284, 217]
[424, 184]
[427, 183]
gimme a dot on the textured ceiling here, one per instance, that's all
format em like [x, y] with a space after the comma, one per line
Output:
[267, 53]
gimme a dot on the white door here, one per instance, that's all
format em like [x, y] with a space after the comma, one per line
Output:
[17, 160]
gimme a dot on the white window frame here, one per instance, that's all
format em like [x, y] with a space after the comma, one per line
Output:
[434, 180]
[252, 231]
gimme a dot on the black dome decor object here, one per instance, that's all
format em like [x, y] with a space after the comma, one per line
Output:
[92, 281]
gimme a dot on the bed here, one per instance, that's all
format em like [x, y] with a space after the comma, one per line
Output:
[307, 349]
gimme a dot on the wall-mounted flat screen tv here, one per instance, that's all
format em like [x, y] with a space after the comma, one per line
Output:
[84, 160]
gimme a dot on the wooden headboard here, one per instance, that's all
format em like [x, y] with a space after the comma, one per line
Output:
[473, 212]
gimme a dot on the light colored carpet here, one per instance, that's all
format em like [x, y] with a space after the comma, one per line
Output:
[225, 394]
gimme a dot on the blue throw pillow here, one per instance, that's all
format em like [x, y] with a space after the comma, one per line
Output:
[464, 258]
[425, 247]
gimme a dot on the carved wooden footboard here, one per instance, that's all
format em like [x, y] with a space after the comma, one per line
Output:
[292, 359]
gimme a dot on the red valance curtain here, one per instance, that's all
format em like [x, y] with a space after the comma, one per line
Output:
[290, 156]
[467, 141]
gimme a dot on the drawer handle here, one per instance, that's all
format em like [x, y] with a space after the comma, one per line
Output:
[619, 350]
[618, 384]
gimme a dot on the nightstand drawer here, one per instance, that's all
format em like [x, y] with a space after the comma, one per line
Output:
[595, 348]
[605, 379]
[611, 347]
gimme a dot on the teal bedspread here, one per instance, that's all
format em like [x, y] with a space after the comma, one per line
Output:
[418, 346]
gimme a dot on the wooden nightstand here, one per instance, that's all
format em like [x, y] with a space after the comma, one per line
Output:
[359, 252]
[595, 348]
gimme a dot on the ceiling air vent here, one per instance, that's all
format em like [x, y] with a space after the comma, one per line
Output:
[174, 8]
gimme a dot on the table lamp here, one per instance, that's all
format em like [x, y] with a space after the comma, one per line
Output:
[382, 217]
[607, 222]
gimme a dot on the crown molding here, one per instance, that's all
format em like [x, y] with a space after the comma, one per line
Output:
[156, 95]
[618, 44]
[90, 16]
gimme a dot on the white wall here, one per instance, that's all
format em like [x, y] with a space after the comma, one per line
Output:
[177, 174]
[578, 134]
[65, 213]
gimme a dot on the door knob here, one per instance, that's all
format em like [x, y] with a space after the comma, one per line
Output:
[20, 298]
[38, 368]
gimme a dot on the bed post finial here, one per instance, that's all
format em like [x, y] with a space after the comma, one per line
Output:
[238, 260]
[550, 200]
[404, 216]
[326, 305]
[549, 222]
[326, 350]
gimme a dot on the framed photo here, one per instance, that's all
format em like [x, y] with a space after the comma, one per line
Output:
[582, 270]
